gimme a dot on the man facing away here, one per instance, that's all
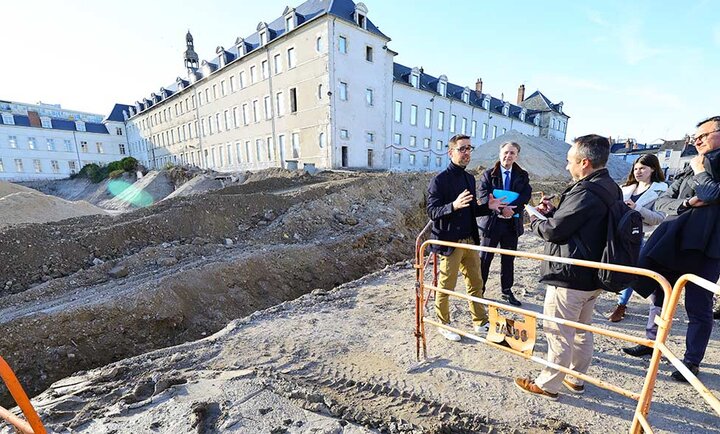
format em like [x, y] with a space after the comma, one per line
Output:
[453, 209]
[687, 242]
[580, 217]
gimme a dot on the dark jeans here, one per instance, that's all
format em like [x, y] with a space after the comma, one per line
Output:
[503, 233]
[698, 301]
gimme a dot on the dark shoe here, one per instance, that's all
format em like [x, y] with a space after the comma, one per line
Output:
[510, 298]
[638, 351]
[618, 314]
[677, 376]
[716, 314]
[529, 386]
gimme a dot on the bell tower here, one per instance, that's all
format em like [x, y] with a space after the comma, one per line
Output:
[191, 57]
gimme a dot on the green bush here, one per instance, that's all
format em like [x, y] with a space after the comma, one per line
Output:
[129, 164]
[93, 172]
[115, 174]
[115, 169]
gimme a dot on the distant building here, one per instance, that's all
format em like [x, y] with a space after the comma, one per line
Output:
[45, 141]
[629, 149]
[318, 87]
[675, 155]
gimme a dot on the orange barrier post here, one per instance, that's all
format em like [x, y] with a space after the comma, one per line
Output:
[34, 424]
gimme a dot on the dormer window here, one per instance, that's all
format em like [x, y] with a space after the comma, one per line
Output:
[262, 29]
[80, 125]
[361, 15]
[466, 96]
[506, 109]
[523, 112]
[206, 68]
[45, 122]
[222, 56]
[263, 38]
[415, 78]
[536, 121]
[290, 19]
[559, 107]
[240, 44]
[442, 85]
[8, 119]
[486, 102]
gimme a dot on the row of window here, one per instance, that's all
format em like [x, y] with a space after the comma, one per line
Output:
[67, 145]
[398, 117]
[412, 160]
[38, 166]
[45, 122]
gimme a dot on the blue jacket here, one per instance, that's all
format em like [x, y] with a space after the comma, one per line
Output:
[448, 224]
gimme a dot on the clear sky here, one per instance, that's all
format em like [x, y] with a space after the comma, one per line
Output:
[642, 69]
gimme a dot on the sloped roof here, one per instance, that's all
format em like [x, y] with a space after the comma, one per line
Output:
[60, 124]
[116, 115]
[538, 101]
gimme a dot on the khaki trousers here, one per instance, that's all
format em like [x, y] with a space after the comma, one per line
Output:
[567, 346]
[467, 262]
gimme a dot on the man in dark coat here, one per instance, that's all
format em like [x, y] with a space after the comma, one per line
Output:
[580, 218]
[687, 242]
[454, 211]
[506, 226]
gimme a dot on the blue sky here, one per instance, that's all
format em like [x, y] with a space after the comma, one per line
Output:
[639, 69]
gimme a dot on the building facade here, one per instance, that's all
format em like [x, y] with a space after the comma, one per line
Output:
[318, 87]
[45, 141]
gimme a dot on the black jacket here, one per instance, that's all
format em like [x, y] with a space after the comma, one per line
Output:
[449, 225]
[519, 182]
[580, 214]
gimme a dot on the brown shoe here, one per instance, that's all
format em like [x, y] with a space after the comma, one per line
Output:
[618, 314]
[528, 386]
[577, 389]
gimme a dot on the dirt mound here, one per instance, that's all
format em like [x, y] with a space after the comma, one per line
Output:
[541, 157]
[19, 205]
[149, 189]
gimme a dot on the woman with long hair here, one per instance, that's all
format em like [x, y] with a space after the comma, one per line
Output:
[645, 182]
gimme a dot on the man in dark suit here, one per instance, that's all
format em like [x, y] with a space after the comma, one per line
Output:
[687, 242]
[506, 226]
[454, 210]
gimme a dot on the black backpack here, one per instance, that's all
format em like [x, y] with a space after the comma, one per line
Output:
[624, 237]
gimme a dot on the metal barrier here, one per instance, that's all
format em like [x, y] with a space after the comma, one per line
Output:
[34, 424]
[664, 322]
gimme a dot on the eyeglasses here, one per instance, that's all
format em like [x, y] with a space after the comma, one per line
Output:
[465, 149]
[703, 136]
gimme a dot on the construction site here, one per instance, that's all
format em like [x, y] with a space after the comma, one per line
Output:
[188, 301]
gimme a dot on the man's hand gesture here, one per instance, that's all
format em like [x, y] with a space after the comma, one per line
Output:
[463, 200]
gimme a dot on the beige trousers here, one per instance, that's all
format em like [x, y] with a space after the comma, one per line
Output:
[467, 262]
[567, 346]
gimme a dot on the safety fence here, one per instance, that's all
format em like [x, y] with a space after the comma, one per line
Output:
[33, 425]
[521, 333]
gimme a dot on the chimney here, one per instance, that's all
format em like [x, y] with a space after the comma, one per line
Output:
[521, 94]
[34, 119]
[478, 87]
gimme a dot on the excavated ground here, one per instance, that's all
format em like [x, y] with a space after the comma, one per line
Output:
[85, 292]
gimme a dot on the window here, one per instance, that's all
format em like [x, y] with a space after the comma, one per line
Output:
[247, 151]
[426, 143]
[80, 125]
[343, 91]
[12, 141]
[255, 111]
[289, 23]
[293, 100]
[370, 158]
[370, 137]
[217, 123]
[202, 127]
[280, 104]
[226, 118]
[369, 97]
[207, 96]
[414, 80]
[321, 140]
[50, 144]
[473, 128]
[253, 74]
[229, 154]
[232, 86]
[215, 96]
[55, 166]
[342, 44]
[118, 131]
[223, 88]
[281, 145]
[484, 130]
[68, 145]
[236, 120]
[398, 111]
[494, 131]
[8, 119]
[466, 97]
[412, 159]
[428, 117]
[238, 154]
[463, 126]
[320, 92]
[31, 143]
[37, 166]
[453, 121]
[241, 78]
[45, 122]
[413, 114]
[19, 165]
[318, 44]
[438, 161]
[441, 88]
[72, 167]
[441, 121]
[344, 134]
[2, 166]
[83, 146]
[265, 69]
[667, 153]
[258, 149]
[397, 139]
[291, 58]
[398, 157]
[369, 53]
[263, 38]
[121, 148]
[268, 109]
[295, 143]
[413, 141]
[269, 147]
[504, 130]
[246, 120]
[439, 145]
[277, 64]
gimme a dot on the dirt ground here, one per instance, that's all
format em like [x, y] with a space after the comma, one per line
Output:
[258, 308]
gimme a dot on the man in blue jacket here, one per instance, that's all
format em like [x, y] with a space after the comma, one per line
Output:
[454, 211]
[580, 219]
